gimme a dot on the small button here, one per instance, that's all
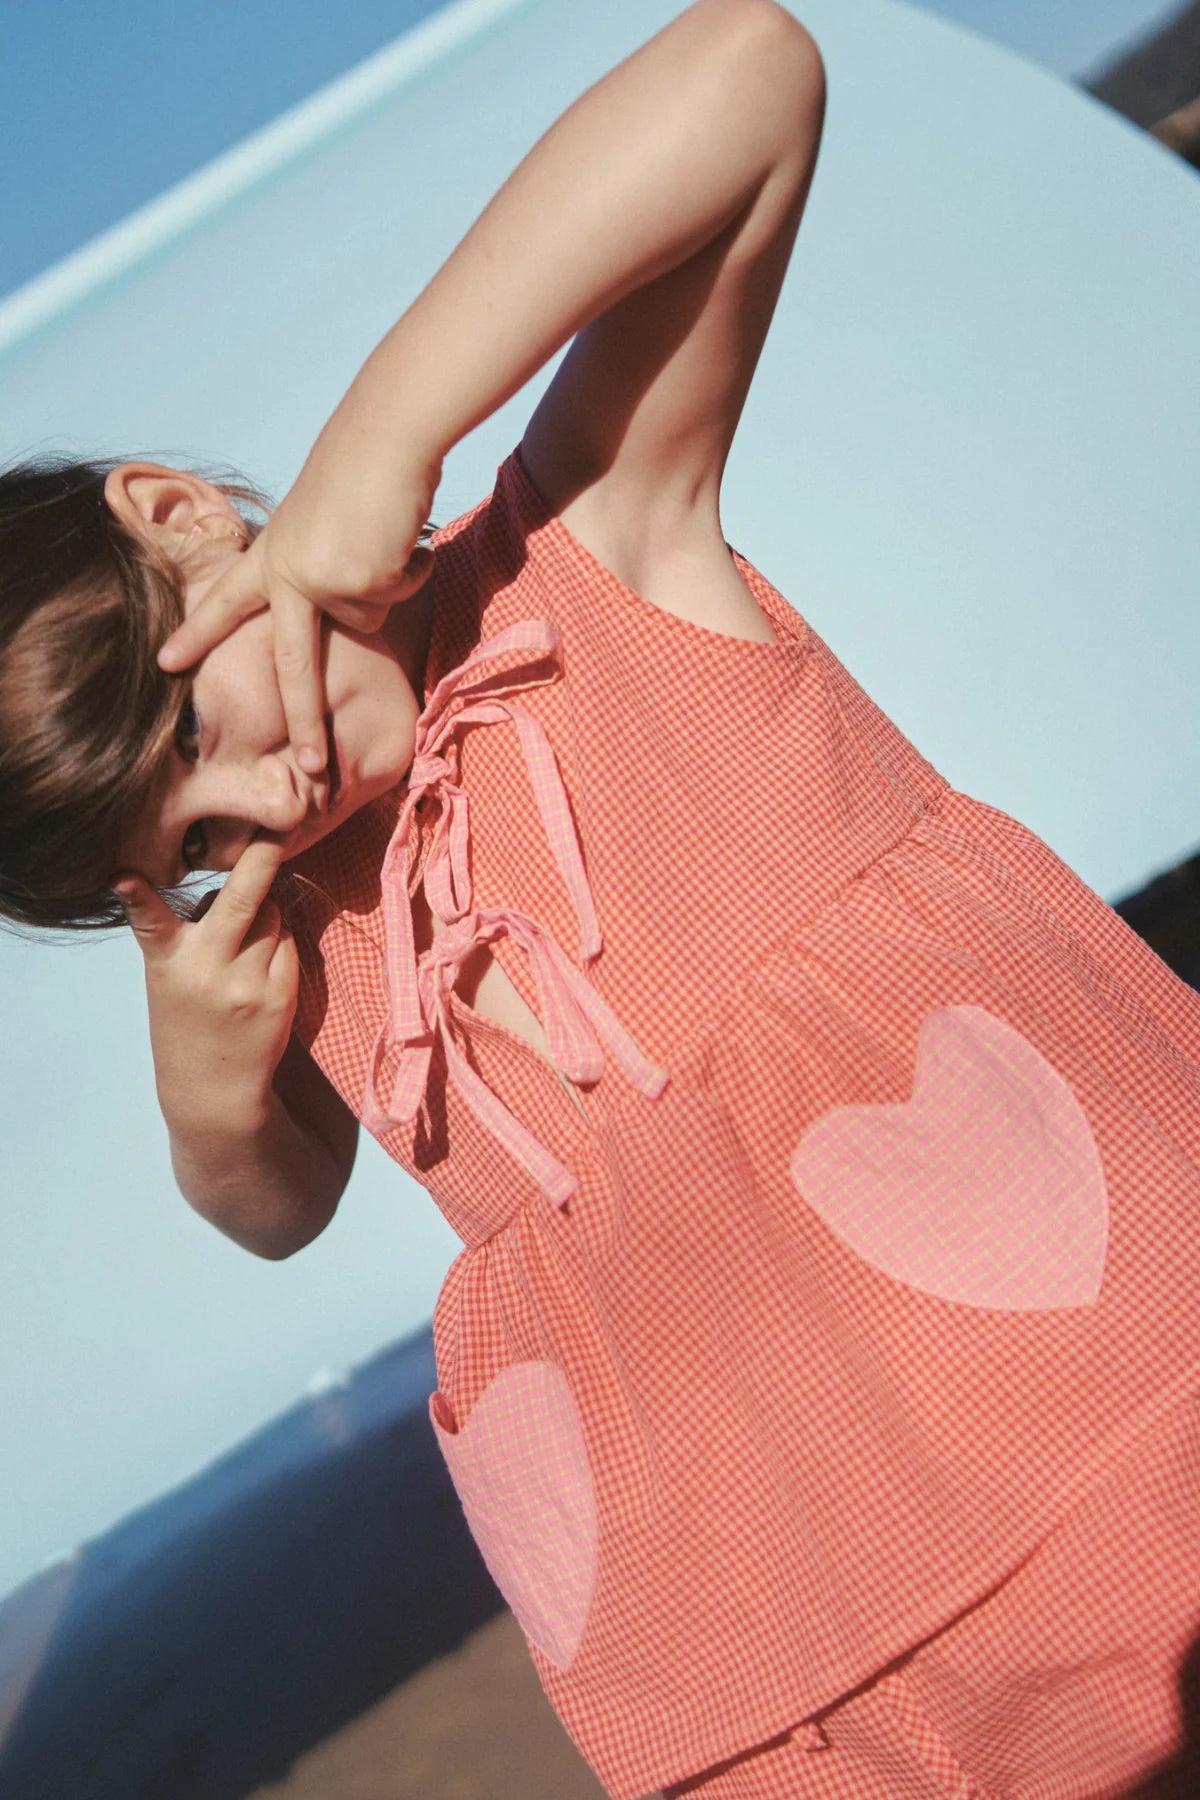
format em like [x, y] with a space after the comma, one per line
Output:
[811, 1735]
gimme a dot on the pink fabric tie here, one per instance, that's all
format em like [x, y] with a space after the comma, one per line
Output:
[579, 1024]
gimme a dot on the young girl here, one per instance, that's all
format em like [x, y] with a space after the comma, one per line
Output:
[818, 1375]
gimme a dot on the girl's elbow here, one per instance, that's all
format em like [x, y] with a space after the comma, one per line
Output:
[272, 1232]
[806, 52]
[787, 50]
[303, 1226]
[783, 22]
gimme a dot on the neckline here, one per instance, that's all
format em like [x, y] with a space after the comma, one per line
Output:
[795, 635]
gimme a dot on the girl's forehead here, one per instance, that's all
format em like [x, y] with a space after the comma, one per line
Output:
[239, 672]
[246, 646]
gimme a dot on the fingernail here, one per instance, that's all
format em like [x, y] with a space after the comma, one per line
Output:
[311, 761]
[124, 894]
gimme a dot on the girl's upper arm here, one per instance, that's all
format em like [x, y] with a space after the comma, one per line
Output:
[629, 443]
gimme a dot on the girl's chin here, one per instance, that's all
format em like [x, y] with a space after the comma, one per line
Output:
[349, 799]
[316, 833]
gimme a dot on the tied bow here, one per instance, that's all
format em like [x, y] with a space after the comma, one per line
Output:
[578, 1022]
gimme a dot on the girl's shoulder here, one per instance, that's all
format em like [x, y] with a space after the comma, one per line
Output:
[518, 553]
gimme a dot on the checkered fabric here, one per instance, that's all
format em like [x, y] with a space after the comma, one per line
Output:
[1073, 1680]
[878, 1233]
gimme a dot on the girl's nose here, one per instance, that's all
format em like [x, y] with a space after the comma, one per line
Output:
[265, 797]
[281, 799]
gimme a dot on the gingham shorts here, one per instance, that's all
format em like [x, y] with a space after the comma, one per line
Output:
[1077, 1678]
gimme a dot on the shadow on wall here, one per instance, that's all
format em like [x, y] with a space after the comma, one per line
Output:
[1166, 913]
[200, 1649]
[1158, 85]
[196, 1650]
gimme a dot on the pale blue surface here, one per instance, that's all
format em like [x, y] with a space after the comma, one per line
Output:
[105, 103]
[1071, 37]
[967, 457]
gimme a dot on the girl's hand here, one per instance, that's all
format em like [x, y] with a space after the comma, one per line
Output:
[222, 993]
[336, 544]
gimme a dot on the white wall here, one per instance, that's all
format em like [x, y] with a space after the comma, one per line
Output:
[968, 456]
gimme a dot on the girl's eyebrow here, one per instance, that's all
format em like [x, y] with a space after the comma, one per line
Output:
[174, 859]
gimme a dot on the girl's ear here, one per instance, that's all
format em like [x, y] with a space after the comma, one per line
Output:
[162, 504]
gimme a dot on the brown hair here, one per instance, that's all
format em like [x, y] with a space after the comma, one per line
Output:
[85, 711]
[86, 714]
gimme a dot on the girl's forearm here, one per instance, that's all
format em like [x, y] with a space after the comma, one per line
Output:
[641, 172]
[271, 1186]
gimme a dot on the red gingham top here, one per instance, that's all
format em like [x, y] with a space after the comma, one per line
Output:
[881, 1235]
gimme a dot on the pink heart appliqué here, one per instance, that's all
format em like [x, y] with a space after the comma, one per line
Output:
[985, 1188]
[520, 1467]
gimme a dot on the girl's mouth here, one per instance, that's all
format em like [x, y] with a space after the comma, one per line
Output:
[334, 767]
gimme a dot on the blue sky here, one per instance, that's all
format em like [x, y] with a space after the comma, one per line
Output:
[106, 103]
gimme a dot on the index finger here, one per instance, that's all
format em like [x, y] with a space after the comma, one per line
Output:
[297, 627]
[152, 921]
[234, 596]
[237, 905]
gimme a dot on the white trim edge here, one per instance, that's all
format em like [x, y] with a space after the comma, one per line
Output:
[232, 174]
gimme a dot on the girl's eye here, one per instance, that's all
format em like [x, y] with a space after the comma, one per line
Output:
[187, 740]
[195, 846]
[187, 731]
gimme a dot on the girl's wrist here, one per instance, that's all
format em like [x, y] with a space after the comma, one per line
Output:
[378, 440]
